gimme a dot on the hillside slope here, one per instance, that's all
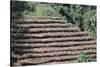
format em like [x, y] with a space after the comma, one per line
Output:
[47, 40]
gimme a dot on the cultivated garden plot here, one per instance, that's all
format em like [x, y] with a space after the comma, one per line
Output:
[49, 33]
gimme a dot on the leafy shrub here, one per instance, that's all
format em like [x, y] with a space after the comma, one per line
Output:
[89, 20]
[83, 57]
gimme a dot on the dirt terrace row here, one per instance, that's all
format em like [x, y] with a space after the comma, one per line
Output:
[45, 40]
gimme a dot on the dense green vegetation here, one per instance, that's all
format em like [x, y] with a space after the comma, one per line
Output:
[83, 16]
[83, 57]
